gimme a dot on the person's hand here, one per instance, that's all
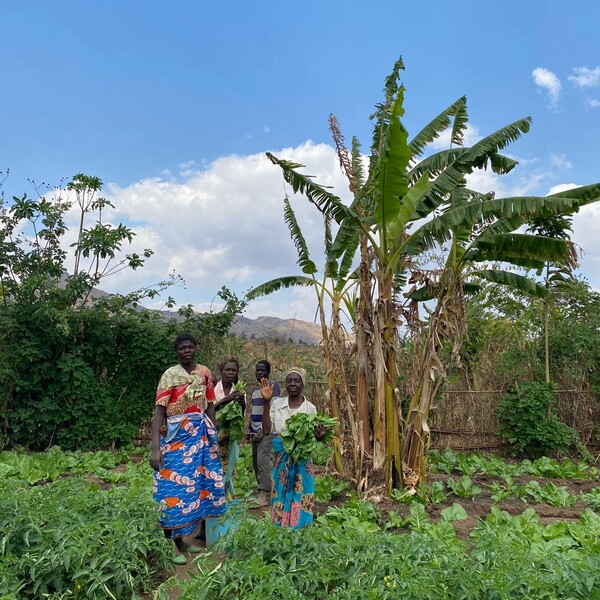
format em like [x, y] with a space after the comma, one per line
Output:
[233, 397]
[320, 432]
[239, 397]
[266, 389]
[156, 460]
[257, 437]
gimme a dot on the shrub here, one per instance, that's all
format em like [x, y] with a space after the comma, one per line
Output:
[528, 423]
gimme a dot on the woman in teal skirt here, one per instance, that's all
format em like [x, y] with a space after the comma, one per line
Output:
[293, 483]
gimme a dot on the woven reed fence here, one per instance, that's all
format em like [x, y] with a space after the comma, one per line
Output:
[466, 420]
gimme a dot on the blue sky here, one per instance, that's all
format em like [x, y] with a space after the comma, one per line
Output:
[173, 105]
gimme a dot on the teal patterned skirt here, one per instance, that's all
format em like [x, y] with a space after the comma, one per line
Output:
[292, 489]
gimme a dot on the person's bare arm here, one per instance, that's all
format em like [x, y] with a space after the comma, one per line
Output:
[156, 459]
[210, 412]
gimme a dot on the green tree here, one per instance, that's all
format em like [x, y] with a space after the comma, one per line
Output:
[78, 373]
[554, 227]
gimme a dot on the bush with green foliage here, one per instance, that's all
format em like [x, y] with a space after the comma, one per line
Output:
[71, 539]
[76, 369]
[528, 423]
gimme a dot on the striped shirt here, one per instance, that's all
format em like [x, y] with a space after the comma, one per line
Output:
[258, 405]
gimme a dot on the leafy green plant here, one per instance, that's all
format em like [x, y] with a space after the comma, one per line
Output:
[426, 494]
[70, 539]
[528, 423]
[464, 487]
[328, 487]
[499, 492]
[506, 557]
[299, 435]
[548, 494]
[592, 498]
[565, 469]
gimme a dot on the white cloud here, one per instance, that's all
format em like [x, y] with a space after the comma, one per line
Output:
[560, 161]
[224, 225]
[585, 235]
[562, 187]
[585, 76]
[592, 103]
[549, 82]
[186, 168]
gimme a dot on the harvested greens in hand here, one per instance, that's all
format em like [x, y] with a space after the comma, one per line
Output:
[231, 416]
[240, 386]
[299, 436]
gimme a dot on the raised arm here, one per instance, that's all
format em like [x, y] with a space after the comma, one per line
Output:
[266, 391]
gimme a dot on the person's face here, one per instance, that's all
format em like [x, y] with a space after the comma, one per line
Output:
[186, 352]
[294, 384]
[261, 371]
[229, 372]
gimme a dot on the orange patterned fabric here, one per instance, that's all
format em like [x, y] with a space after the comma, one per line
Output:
[182, 392]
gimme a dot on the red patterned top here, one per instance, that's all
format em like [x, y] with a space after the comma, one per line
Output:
[182, 392]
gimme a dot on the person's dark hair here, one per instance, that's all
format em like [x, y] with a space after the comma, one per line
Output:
[266, 363]
[183, 337]
[229, 360]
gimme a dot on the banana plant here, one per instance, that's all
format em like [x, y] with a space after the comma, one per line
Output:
[333, 286]
[406, 205]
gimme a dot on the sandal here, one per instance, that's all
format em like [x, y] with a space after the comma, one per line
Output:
[179, 559]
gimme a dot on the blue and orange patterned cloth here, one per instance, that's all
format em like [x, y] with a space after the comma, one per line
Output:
[189, 487]
[292, 489]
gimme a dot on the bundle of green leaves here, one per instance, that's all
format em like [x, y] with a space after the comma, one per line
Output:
[299, 435]
[231, 416]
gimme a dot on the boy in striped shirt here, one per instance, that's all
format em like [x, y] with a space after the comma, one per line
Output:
[261, 444]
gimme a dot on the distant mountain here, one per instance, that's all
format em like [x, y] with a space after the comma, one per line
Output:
[275, 328]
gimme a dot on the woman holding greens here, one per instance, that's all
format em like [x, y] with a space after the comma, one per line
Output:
[229, 440]
[292, 483]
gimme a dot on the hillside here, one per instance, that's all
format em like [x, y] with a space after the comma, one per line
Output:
[284, 330]
[275, 328]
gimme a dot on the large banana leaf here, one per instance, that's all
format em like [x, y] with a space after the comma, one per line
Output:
[325, 201]
[544, 249]
[439, 229]
[397, 227]
[436, 163]
[513, 280]
[281, 283]
[390, 176]
[304, 261]
[432, 130]
[477, 156]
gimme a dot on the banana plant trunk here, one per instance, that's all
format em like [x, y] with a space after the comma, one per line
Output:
[417, 433]
[446, 323]
[364, 330]
[386, 450]
[332, 389]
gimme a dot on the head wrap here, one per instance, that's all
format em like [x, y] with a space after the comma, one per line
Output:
[300, 371]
